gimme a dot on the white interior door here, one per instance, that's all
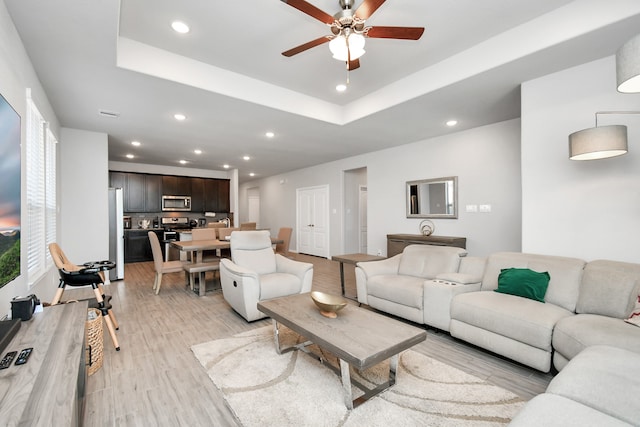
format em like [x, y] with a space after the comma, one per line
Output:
[362, 223]
[253, 203]
[313, 221]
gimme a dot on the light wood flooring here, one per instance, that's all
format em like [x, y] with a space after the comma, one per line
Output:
[154, 380]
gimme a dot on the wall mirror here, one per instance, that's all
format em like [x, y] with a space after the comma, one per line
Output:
[433, 198]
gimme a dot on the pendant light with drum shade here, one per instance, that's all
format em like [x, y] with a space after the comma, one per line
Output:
[599, 142]
[628, 66]
[603, 142]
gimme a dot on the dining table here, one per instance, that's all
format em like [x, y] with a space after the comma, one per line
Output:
[201, 245]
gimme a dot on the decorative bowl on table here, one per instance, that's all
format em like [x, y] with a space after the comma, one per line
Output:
[328, 304]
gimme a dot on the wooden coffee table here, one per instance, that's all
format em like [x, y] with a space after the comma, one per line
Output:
[358, 337]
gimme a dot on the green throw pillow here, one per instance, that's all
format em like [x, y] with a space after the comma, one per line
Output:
[523, 282]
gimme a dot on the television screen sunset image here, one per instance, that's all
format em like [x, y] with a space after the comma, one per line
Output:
[9, 193]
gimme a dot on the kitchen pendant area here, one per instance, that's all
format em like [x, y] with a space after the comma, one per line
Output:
[166, 204]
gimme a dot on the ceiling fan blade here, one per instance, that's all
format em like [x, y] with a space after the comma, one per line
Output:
[306, 46]
[353, 65]
[405, 33]
[311, 10]
[367, 8]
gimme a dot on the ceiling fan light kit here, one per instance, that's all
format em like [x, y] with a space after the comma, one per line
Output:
[348, 30]
[347, 47]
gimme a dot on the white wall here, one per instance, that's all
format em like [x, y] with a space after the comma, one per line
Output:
[486, 161]
[16, 75]
[84, 206]
[588, 209]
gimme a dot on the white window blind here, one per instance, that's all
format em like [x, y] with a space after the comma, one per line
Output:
[50, 191]
[41, 191]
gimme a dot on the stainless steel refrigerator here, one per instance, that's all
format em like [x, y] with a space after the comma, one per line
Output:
[116, 233]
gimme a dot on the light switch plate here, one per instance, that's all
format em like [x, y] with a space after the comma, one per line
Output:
[472, 208]
[485, 208]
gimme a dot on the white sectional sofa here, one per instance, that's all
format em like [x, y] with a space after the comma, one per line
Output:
[397, 285]
[584, 303]
[516, 327]
[597, 388]
[579, 325]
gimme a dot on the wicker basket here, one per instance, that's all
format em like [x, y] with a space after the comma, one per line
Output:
[94, 342]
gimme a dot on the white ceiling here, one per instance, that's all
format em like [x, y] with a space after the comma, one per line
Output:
[228, 76]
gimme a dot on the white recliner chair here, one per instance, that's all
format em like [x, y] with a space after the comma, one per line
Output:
[255, 273]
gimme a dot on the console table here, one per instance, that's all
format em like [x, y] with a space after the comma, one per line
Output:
[397, 242]
[49, 389]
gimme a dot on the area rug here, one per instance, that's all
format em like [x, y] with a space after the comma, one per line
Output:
[263, 388]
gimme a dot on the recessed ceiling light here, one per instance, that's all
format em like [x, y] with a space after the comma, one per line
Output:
[180, 27]
[135, 143]
[269, 134]
[197, 151]
[225, 166]
[183, 162]
[179, 117]
[252, 174]
[246, 158]
[129, 156]
[341, 87]
[451, 123]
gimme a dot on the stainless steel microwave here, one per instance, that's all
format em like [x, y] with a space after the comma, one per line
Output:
[176, 203]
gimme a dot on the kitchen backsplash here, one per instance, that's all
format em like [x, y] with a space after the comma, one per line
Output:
[137, 218]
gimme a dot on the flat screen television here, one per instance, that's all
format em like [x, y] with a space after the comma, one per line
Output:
[9, 193]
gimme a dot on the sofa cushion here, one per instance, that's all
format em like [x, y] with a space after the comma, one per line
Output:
[551, 410]
[565, 274]
[427, 260]
[520, 319]
[523, 282]
[405, 290]
[604, 378]
[609, 288]
[574, 334]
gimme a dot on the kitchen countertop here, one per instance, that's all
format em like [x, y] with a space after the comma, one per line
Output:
[144, 229]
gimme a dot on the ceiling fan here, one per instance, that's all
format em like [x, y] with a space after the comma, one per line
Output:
[348, 30]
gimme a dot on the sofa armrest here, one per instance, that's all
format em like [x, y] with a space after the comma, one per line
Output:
[385, 266]
[238, 270]
[297, 268]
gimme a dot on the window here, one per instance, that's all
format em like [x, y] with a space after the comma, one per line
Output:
[41, 191]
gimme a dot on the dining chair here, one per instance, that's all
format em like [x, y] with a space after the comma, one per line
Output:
[216, 225]
[284, 234]
[206, 234]
[248, 226]
[160, 265]
[75, 275]
[224, 234]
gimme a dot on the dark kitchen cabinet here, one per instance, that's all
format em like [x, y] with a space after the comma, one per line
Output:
[176, 185]
[137, 247]
[153, 193]
[211, 195]
[134, 193]
[141, 192]
[197, 195]
[117, 179]
[224, 205]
